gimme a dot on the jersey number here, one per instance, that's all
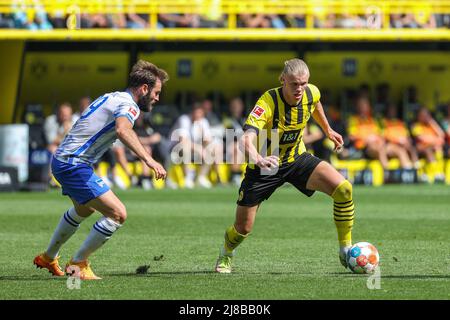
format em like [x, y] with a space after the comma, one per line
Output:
[94, 106]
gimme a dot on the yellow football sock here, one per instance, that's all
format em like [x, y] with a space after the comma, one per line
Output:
[232, 239]
[344, 212]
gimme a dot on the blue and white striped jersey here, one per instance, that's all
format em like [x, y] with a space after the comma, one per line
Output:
[94, 133]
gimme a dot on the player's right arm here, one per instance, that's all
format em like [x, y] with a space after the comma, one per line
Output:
[248, 143]
[126, 134]
[258, 119]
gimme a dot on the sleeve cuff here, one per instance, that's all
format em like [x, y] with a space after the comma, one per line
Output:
[127, 116]
[249, 127]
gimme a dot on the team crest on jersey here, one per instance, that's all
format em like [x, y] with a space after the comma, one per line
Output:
[132, 111]
[257, 111]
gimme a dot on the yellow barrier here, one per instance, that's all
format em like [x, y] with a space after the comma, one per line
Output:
[180, 34]
[176, 173]
[230, 11]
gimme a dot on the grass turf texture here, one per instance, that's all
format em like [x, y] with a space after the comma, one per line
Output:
[291, 254]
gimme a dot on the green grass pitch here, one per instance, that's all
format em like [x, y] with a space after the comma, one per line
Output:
[291, 254]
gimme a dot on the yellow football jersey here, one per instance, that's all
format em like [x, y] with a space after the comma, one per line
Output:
[273, 118]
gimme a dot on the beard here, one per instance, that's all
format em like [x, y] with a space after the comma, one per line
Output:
[144, 103]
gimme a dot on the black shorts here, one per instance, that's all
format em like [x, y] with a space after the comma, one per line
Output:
[255, 188]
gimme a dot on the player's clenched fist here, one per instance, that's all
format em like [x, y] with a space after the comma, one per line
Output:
[160, 172]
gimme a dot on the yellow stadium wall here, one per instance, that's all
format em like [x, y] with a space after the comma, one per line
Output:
[231, 72]
[429, 72]
[10, 66]
[50, 78]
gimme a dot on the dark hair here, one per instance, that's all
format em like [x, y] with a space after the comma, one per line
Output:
[144, 72]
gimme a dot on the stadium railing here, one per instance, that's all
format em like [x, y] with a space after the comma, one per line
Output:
[378, 14]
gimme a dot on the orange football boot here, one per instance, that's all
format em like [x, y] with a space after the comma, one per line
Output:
[81, 269]
[43, 261]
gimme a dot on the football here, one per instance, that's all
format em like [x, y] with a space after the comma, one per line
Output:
[363, 257]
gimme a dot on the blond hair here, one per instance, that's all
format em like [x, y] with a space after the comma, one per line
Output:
[294, 67]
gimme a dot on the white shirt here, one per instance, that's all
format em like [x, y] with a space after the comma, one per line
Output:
[52, 128]
[94, 133]
[197, 132]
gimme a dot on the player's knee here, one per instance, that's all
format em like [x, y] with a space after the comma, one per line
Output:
[243, 228]
[343, 192]
[119, 214]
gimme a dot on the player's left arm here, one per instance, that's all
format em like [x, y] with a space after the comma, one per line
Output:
[319, 116]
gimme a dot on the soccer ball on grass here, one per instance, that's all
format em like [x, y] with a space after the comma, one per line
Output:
[363, 257]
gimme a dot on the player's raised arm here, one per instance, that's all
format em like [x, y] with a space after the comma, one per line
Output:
[321, 119]
[126, 134]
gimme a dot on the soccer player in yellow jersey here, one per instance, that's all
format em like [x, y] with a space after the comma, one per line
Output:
[282, 114]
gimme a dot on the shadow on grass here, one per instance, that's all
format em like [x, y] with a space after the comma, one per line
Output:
[171, 273]
[205, 272]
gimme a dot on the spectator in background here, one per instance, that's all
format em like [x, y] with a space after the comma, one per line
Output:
[99, 21]
[194, 135]
[426, 20]
[325, 21]
[6, 21]
[217, 131]
[314, 139]
[446, 126]
[118, 20]
[382, 99]
[398, 140]
[399, 21]
[210, 115]
[35, 19]
[235, 121]
[56, 126]
[395, 131]
[254, 21]
[212, 16]
[364, 91]
[335, 119]
[212, 21]
[137, 21]
[85, 21]
[295, 20]
[367, 136]
[444, 20]
[429, 138]
[179, 20]
[365, 133]
[350, 21]
[410, 20]
[83, 104]
[276, 21]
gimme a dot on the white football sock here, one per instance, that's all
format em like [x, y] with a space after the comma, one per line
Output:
[102, 230]
[67, 226]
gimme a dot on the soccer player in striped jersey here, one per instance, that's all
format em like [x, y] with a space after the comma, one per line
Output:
[279, 117]
[109, 117]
